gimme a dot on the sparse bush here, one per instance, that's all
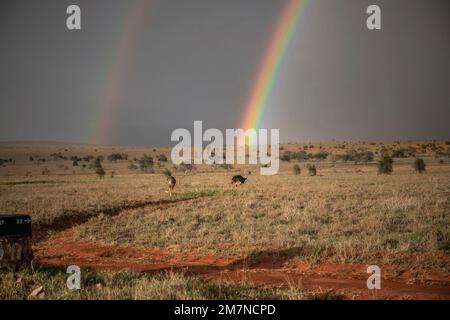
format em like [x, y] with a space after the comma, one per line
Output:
[399, 153]
[58, 156]
[419, 165]
[321, 155]
[97, 163]
[45, 172]
[301, 155]
[145, 162]
[88, 158]
[114, 157]
[75, 158]
[4, 161]
[167, 173]
[75, 163]
[385, 165]
[100, 172]
[112, 174]
[162, 158]
[285, 157]
[312, 171]
[296, 169]
[363, 157]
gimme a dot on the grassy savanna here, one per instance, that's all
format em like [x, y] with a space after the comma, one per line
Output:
[347, 213]
[343, 216]
[130, 285]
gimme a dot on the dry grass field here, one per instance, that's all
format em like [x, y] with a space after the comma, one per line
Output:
[288, 236]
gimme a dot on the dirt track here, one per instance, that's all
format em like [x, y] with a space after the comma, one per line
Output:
[346, 280]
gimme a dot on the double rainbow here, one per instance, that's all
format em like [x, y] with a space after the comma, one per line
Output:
[114, 82]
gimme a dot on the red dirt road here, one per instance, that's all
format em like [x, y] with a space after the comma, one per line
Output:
[345, 280]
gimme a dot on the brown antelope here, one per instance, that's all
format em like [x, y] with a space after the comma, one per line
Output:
[171, 181]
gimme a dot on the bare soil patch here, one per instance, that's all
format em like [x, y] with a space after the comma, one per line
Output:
[346, 281]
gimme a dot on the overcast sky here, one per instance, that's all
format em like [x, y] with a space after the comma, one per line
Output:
[197, 60]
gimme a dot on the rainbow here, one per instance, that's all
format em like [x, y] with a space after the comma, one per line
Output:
[270, 65]
[113, 84]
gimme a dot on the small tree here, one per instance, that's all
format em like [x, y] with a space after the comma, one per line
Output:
[97, 163]
[312, 170]
[286, 157]
[419, 165]
[100, 172]
[385, 165]
[296, 169]
[145, 162]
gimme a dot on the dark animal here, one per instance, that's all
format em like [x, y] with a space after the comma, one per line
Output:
[238, 180]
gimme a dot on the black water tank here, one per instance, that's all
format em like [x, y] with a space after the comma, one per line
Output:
[15, 225]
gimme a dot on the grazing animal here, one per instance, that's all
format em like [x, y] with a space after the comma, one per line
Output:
[171, 181]
[238, 180]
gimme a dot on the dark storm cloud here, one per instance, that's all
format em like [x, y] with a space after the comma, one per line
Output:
[196, 60]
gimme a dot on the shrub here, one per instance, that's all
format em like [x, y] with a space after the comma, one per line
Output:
[301, 155]
[363, 157]
[285, 157]
[45, 172]
[114, 157]
[88, 158]
[167, 173]
[419, 165]
[97, 163]
[312, 171]
[162, 158]
[385, 165]
[75, 163]
[321, 155]
[58, 156]
[145, 162]
[100, 172]
[296, 169]
[399, 153]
